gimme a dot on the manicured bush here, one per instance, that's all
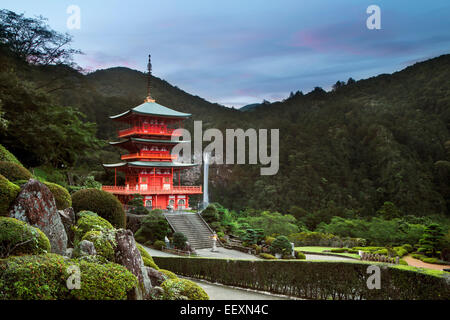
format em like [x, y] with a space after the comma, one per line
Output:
[43, 277]
[8, 193]
[62, 196]
[306, 238]
[179, 240]
[339, 250]
[174, 288]
[19, 238]
[168, 274]
[281, 245]
[5, 155]
[104, 243]
[267, 256]
[103, 203]
[159, 244]
[13, 171]
[88, 222]
[340, 280]
[300, 255]
[136, 205]
[153, 227]
[268, 240]
[210, 214]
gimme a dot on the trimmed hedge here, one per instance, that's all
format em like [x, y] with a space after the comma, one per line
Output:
[8, 193]
[13, 171]
[19, 238]
[43, 277]
[103, 203]
[61, 195]
[314, 279]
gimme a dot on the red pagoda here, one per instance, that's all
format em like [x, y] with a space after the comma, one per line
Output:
[149, 166]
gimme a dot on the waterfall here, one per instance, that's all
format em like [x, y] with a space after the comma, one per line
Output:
[205, 179]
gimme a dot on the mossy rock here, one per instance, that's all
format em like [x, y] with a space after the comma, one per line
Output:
[19, 238]
[101, 202]
[13, 171]
[5, 155]
[176, 289]
[88, 223]
[104, 245]
[169, 274]
[44, 277]
[62, 196]
[8, 193]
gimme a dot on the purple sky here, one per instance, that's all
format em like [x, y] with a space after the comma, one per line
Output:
[241, 52]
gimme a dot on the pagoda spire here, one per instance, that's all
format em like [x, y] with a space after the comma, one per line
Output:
[149, 78]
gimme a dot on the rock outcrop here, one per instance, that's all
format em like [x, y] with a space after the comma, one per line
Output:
[36, 206]
[68, 219]
[127, 254]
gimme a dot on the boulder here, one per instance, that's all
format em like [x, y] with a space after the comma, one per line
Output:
[36, 206]
[134, 221]
[87, 248]
[156, 277]
[68, 219]
[127, 254]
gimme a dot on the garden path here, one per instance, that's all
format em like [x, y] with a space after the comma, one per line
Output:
[420, 264]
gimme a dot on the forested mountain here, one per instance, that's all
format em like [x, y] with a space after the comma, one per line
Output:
[343, 152]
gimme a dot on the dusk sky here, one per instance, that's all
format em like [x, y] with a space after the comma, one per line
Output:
[241, 52]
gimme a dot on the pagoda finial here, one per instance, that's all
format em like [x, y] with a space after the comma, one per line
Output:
[149, 78]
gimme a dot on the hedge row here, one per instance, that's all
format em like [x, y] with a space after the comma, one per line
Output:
[313, 279]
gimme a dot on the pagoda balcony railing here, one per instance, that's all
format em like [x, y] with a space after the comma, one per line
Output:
[152, 190]
[148, 155]
[155, 130]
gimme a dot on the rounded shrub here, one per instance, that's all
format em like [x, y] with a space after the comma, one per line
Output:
[19, 238]
[282, 245]
[43, 277]
[179, 240]
[103, 203]
[5, 155]
[176, 289]
[61, 195]
[168, 274]
[300, 255]
[409, 248]
[8, 193]
[159, 244]
[210, 214]
[88, 223]
[104, 246]
[13, 171]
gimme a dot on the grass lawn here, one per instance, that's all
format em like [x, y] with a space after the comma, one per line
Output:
[322, 249]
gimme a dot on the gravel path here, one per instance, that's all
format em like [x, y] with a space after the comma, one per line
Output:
[420, 264]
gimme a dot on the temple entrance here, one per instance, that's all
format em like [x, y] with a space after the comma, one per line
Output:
[181, 204]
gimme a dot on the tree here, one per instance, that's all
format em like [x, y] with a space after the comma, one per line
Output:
[179, 240]
[431, 240]
[154, 227]
[281, 245]
[137, 205]
[389, 211]
[32, 39]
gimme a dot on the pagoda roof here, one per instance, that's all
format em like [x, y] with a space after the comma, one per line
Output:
[152, 141]
[150, 164]
[152, 109]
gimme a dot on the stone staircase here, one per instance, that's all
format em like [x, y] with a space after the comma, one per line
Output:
[193, 227]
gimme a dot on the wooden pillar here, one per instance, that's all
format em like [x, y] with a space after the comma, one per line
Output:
[179, 177]
[115, 177]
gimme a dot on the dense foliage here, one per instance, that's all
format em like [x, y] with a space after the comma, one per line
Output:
[43, 277]
[101, 202]
[153, 227]
[313, 279]
[19, 238]
[8, 193]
